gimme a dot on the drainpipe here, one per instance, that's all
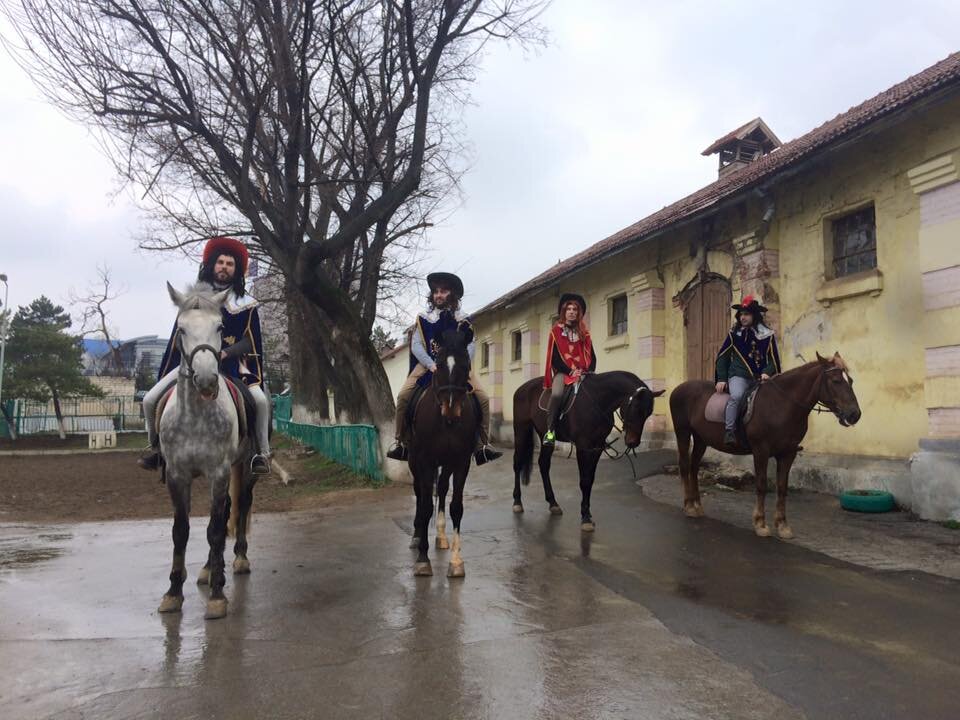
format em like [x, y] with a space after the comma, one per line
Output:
[769, 210]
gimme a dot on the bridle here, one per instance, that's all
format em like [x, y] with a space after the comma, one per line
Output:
[187, 360]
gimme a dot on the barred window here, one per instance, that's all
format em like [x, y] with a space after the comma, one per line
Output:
[854, 242]
[516, 346]
[618, 315]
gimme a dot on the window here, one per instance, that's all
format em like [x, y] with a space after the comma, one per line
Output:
[516, 346]
[485, 355]
[618, 315]
[854, 242]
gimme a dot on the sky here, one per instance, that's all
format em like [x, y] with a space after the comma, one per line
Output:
[568, 143]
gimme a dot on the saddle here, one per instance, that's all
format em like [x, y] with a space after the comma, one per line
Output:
[415, 399]
[242, 401]
[716, 407]
[567, 401]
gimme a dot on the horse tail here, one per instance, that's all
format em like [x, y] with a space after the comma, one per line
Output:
[523, 450]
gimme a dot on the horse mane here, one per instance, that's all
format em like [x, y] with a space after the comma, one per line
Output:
[835, 362]
[199, 296]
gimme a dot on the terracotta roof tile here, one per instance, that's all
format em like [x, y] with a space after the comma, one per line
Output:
[945, 73]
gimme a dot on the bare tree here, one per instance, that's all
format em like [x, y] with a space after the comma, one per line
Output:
[325, 131]
[95, 313]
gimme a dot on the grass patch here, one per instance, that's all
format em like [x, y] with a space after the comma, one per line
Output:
[77, 441]
[951, 524]
[313, 473]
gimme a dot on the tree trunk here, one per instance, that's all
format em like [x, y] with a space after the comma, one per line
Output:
[336, 354]
[59, 413]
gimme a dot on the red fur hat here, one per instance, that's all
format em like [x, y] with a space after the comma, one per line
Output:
[227, 245]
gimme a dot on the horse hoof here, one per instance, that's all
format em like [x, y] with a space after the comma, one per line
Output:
[456, 571]
[693, 511]
[761, 530]
[442, 543]
[785, 532]
[422, 569]
[241, 566]
[414, 543]
[216, 609]
[518, 508]
[171, 604]
[203, 577]
[587, 526]
[556, 510]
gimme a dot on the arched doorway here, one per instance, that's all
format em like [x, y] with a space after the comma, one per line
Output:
[706, 319]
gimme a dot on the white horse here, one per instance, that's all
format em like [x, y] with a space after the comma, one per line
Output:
[200, 435]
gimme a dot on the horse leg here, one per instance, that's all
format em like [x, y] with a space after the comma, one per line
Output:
[546, 455]
[784, 463]
[693, 470]
[179, 489]
[423, 476]
[217, 538]
[683, 464]
[455, 570]
[415, 541]
[587, 465]
[759, 513]
[443, 484]
[241, 564]
[522, 459]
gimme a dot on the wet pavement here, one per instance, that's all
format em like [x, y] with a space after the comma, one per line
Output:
[652, 616]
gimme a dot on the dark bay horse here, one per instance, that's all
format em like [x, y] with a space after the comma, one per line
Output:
[445, 427]
[778, 426]
[586, 425]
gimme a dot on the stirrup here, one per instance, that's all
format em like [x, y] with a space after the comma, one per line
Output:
[150, 460]
[260, 464]
[398, 452]
[549, 437]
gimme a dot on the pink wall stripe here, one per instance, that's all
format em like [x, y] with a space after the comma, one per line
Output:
[650, 299]
[941, 288]
[944, 422]
[651, 346]
[940, 205]
[943, 361]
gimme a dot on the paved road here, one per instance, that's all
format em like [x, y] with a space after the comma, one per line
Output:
[652, 616]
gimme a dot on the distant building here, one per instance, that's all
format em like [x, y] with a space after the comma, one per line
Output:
[144, 352]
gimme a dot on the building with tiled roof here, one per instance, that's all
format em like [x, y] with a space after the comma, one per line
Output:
[850, 234]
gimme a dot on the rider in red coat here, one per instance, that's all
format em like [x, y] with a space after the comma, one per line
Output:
[569, 356]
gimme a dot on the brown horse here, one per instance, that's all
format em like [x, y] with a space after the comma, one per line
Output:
[445, 427]
[586, 425]
[776, 429]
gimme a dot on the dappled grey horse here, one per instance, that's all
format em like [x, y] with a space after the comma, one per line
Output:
[200, 436]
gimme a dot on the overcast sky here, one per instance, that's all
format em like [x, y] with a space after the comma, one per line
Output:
[569, 144]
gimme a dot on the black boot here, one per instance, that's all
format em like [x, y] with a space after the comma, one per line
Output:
[150, 460]
[398, 452]
[485, 454]
[729, 439]
[260, 464]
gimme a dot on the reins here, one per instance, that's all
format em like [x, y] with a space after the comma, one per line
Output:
[818, 406]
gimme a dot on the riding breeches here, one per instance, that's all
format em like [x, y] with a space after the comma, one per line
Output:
[737, 386]
[406, 392]
[263, 417]
[150, 401]
[556, 397]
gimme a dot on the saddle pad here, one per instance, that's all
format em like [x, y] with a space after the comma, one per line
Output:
[716, 406]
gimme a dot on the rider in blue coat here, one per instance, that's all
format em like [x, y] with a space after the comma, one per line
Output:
[224, 266]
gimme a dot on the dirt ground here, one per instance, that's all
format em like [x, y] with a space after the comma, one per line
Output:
[109, 486]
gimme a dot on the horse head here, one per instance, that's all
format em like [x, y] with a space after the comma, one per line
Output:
[198, 336]
[450, 381]
[836, 390]
[635, 411]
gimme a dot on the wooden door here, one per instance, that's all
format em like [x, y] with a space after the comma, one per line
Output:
[707, 320]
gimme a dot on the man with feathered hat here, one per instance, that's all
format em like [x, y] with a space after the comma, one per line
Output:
[748, 354]
[442, 314]
[224, 266]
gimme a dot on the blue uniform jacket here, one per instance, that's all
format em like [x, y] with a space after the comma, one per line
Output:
[429, 328]
[240, 320]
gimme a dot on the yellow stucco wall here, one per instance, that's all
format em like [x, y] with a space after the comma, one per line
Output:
[879, 333]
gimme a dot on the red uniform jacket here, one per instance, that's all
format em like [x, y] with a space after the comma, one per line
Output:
[565, 356]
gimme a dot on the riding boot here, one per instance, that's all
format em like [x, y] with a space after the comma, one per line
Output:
[553, 410]
[260, 464]
[150, 460]
[485, 454]
[729, 438]
[398, 451]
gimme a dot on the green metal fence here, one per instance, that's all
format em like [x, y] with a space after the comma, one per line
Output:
[120, 413]
[282, 407]
[356, 446]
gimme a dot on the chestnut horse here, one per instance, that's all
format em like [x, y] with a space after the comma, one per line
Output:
[776, 429]
[445, 427]
[586, 425]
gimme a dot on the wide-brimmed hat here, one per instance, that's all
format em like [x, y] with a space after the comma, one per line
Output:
[227, 246]
[447, 280]
[749, 304]
[571, 297]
